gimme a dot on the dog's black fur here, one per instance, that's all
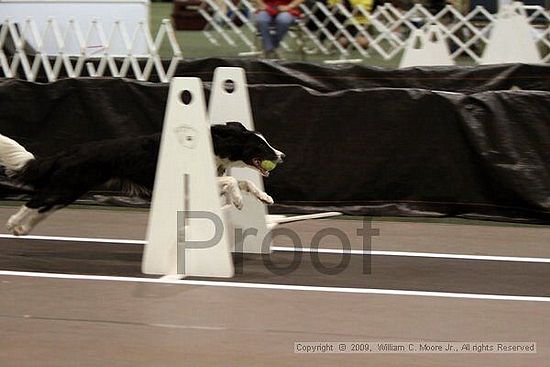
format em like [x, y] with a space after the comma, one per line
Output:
[57, 181]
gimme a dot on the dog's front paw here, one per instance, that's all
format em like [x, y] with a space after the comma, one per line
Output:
[265, 198]
[237, 200]
[229, 187]
[234, 198]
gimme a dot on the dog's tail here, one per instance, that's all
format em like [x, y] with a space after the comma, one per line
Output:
[13, 155]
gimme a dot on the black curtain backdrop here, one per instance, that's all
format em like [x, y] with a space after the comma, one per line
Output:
[415, 142]
[330, 78]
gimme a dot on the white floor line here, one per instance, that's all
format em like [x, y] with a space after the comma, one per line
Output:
[307, 249]
[284, 287]
[415, 254]
[75, 239]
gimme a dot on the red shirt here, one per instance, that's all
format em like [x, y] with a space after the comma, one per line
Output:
[272, 7]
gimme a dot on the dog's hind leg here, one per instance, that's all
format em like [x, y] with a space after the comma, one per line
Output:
[22, 222]
[39, 208]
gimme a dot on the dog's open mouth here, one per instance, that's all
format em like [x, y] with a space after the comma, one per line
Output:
[257, 163]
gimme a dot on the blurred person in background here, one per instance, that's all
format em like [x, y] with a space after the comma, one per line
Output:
[341, 18]
[273, 19]
[361, 20]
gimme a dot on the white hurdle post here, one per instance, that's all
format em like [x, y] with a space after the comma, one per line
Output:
[229, 101]
[185, 183]
[432, 50]
[511, 39]
[234, 104]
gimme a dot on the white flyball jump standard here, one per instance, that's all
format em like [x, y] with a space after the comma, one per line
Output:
[229, 101]
[511, 39]
[189, 232]
[185, 182]
[426, 49]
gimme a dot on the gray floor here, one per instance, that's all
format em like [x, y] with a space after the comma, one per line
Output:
[83, 322]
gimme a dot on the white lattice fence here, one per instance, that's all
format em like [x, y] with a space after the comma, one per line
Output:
[70, 49]
[540, 19]
[467, 35]
[386, 29]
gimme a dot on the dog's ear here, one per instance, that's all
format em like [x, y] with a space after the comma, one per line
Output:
[236, 125]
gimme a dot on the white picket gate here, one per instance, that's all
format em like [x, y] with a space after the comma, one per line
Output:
[22, 48]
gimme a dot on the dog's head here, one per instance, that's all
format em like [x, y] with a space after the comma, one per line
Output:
[236, 146]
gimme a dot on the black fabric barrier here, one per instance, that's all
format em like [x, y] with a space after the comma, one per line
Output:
[377, 151]
[331, 78]
[413, 152]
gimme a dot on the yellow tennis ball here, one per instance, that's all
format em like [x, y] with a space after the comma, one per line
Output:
[268, 165]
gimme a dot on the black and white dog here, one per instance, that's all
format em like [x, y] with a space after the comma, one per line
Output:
[57, 181]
